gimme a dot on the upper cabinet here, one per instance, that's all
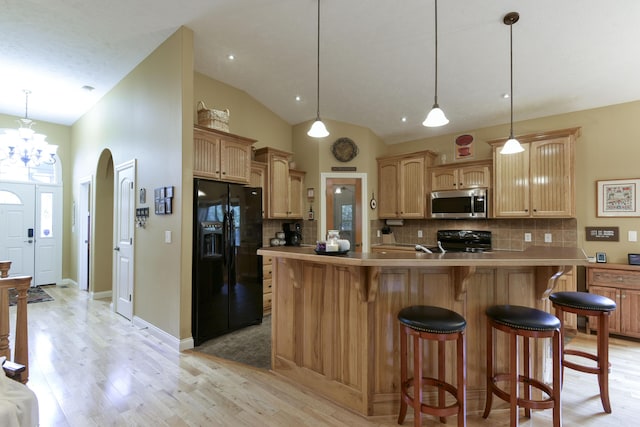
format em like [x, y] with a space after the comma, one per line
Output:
[259, 179]
[461, 176]
[540, 181]
[221, 156]
[284, 186]
[402, 184]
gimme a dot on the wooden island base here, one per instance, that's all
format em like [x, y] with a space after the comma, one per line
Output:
[334, 325]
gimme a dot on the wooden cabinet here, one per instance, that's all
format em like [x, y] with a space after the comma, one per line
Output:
[539, 182]
[296, 190]
[258, 178]
[284, 194]
[267, 281]
[402, 184]
[221, 156]
[461, 176]
[621, 283]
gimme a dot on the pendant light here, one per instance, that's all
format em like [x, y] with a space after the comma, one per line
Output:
[436, 116]
[512, 145]
[318, 129]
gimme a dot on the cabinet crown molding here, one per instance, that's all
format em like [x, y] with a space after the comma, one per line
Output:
[541, 136]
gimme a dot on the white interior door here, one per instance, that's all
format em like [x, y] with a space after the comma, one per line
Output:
[83, 222]
[124, 227]
[17, 227]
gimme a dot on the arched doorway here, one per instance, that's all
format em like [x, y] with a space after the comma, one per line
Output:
[101, 235]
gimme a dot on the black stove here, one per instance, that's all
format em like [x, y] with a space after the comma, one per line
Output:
[465, 240]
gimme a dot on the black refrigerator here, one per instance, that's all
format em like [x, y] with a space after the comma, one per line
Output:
[227, 272]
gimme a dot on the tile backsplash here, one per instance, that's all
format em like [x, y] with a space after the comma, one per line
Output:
[506, 234]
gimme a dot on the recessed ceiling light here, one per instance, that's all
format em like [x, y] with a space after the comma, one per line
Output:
[231, 57]
[298, 98]
[404, 120]
[505, 95]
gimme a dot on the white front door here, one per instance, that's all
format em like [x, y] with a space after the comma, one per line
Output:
[124, 196]
[17, 227]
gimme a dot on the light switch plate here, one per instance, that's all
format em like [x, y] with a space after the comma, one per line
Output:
[419, 234]
[633, 236]
[167, 236]
[527, 237]
[548, 238]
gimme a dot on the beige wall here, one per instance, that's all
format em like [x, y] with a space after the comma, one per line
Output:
[314, 156]
[248, 117]
[142, 118]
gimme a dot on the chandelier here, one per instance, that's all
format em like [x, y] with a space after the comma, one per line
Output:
[24, 144]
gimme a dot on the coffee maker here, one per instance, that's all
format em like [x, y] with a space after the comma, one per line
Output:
[292, 233]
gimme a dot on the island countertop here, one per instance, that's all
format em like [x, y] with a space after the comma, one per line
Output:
[532, 256]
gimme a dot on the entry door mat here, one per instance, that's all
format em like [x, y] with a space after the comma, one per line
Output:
[250, 345]
[34, 295]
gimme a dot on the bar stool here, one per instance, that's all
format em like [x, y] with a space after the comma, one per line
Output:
[438, 324]
[586, 304]
[528, 323]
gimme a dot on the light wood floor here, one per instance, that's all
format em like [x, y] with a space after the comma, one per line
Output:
[91, 367]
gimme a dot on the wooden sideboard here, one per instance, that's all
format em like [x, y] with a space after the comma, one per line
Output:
[621, 283]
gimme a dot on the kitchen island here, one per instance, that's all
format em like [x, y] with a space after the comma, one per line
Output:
[334, 326]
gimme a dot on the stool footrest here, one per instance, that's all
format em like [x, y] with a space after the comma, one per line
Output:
[579, 367]
[438, 411]
[524, 403]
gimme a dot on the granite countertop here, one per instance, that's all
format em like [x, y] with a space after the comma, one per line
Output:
[532, 256]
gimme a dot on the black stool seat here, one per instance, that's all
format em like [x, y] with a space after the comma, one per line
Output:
[519, 317]
[526, 323]
[420, 323]
[436, 320]
[600, 307]
[583, 301]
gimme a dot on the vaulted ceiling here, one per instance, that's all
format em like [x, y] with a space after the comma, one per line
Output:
[376, 56]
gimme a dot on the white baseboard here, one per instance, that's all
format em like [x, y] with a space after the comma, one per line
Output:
[69, 282]
[168, 339]
[101, 295]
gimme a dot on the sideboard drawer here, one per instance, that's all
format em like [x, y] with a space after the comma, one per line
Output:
[618, 278]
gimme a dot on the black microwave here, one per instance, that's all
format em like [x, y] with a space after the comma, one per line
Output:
[460, 204]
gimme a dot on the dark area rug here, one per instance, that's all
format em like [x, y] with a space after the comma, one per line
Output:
[250, 345]
[34, 295]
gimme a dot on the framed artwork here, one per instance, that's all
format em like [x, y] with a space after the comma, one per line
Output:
[618, 197]
[463, 147]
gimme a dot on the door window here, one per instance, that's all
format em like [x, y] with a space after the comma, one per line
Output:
[9, 198]
[46, 214]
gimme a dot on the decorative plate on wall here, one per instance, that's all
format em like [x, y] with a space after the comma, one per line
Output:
[344, 149]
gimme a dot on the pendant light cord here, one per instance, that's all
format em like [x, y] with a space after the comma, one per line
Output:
[26, 103]
[318, 68]
[435, 98]
[511, 74]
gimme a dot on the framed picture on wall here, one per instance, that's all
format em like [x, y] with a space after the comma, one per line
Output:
[618, 197]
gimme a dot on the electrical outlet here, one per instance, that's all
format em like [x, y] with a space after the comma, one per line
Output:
[633, 236]
[419, 234]
[527, 237]
[378, 234]
[548, 238]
